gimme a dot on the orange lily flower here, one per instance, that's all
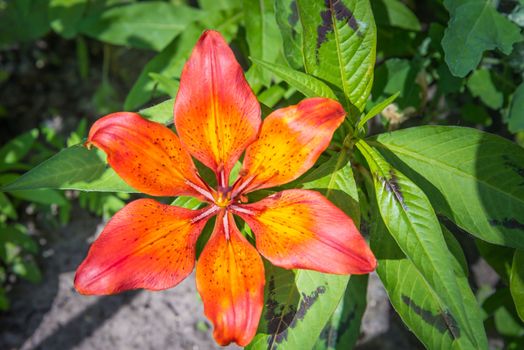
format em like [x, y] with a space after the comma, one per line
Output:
[151, 245]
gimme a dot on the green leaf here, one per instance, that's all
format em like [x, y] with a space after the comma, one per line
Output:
[4, 300]
[411, 221]
[481, 85]
[516, 111]
[27, 268]
[398, 75]
[168, 85]
[145, 25]
[23, 21]
[160, 113]
[306, 84]
[218, 5]
[416, 301]
[500, 306]
[187, 202]
[475, 113]
[6, 207]
[272, 95]
[335, 180]
[65, 15]
[474, 178]
[16, 236]
[447, 83]
[343, 329]
[286, 14]
[339, 45]
[169, 62]
[376, 109]
[498, 257]
[262, 34]
[475, 26]
[73, 168]
[17, 148]
[297, 305]
[516, 284]
[394, 13]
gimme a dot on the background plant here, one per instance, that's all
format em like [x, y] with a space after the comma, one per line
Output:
[425, 195]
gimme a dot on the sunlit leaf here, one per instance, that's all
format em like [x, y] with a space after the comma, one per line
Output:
[74, 168]
[474, 178]
[415, 300]
[376, 109]
[297, 305]
[306, 84]
[168, 85]
[286, 14]
[343, 329]
[262, 34]
[335, 180]
[411, 221]
[160, 113]
[339, 45]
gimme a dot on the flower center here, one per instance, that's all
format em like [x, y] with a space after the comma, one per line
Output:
[222, 199]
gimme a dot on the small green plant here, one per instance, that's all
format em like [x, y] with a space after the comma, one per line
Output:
[18, 250]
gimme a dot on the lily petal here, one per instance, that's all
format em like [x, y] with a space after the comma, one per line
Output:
[290, 142]
[302, 229]
[146, 154]
[230, 280]
[145, 245]
[216, 114]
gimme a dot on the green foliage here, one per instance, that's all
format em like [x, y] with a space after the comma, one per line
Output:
[410, 63]
[473, 178]
[517, 282]
[297, 306]
[516, 111]
[394, 13]
[474, 27]
[73, 168]
[262, 36]
[147, 25]
[411, 221]
[481, 85]
[23, 20]
[306, 84]
[339, 39]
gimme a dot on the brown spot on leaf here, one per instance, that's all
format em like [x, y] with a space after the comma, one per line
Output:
[442, 321]
[280, 317]
[515, 167]
[336, 9]
[509, 223]
[392, 186]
